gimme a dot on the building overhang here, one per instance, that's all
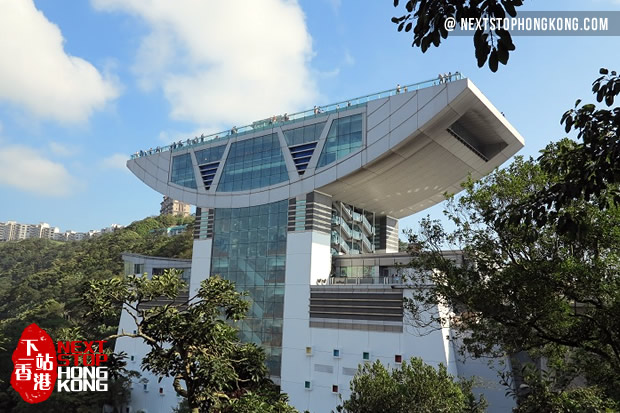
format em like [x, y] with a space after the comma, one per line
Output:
[417, 145]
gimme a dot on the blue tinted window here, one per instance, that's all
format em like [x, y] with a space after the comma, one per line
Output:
[302, 135]
[183, 171]
[249, 248]
[210, 154]
[253, 163]
[344, 137]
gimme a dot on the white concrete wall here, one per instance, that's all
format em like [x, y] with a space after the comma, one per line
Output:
[201, 264]
[308, 258]
[383, 346]
[149, 400]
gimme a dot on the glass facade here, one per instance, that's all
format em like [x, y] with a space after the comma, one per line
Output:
[344, 137]
[305, 134]
[183, 171]
[210, 155]
[253, 163]
[249, 248]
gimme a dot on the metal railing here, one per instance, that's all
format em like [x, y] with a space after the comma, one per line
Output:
[389, 280]
[367, 244]
[286, 119]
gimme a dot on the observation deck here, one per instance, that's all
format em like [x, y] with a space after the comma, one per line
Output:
[394, 152]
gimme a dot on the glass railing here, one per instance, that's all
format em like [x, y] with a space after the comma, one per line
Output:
[369, 228]
[338, 240]
[285, 119]
[346, 209]
[367, 244]
[365, 280]
[345, 227]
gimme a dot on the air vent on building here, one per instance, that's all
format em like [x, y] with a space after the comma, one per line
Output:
[208, 171]
[301, 155]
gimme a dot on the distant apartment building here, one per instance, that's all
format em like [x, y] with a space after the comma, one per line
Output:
[171, 206]
[15, 231]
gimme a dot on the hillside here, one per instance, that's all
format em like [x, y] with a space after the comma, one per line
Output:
[42, 281]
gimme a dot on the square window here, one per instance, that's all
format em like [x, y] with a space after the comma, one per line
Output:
[334, 388]
[398, 358]
[307, 385]
[336, 353]
[366, 355]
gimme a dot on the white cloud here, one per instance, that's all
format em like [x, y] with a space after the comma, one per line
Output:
[335, 5]
[61, 149]
[116, 161]
[24, 168]
[38, 75]
[224, 62]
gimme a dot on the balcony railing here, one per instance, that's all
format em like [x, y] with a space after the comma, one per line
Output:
[369, 228]
[389, 280]
[286, 119]
[367, 244]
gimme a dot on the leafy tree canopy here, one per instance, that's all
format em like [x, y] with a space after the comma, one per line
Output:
[426, 20]
[193, 341]
[588, 169]
[523, 287]
[414, 387]
[43, 281]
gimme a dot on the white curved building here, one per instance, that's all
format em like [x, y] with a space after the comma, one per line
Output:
[277, 199]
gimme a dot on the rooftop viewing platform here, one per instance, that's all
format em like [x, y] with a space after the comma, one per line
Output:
[285, 119]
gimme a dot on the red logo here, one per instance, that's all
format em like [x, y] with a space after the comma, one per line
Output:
[35, 369]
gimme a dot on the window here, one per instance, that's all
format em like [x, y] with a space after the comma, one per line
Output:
[132, 358]
[308, 351]
[307, 385]
[210, 154]
[334, 388]
[138, 269]
[398, 358]
[253, 163]
[366, 355]
[304, 134]
[249, 248]
[182, 172]
[161, 391]
[344, 137]
[336, 353]
[145, 386]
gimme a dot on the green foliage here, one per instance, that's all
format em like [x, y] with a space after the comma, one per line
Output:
[542, 394]
[194, 341]
[415, 387]
[540, 240]
[588, 170]
[524, 287]
[43, 281]
[430, 17]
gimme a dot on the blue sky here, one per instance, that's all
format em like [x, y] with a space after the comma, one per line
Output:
[85, 84]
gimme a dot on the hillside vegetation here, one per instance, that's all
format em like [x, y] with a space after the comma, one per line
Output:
[43, 281]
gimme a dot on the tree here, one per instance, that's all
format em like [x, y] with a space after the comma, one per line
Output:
[587, 170]
[192, 341]
[414, 387]
[43, 281]
[430, 18]
[523, 287]
[542, 393]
